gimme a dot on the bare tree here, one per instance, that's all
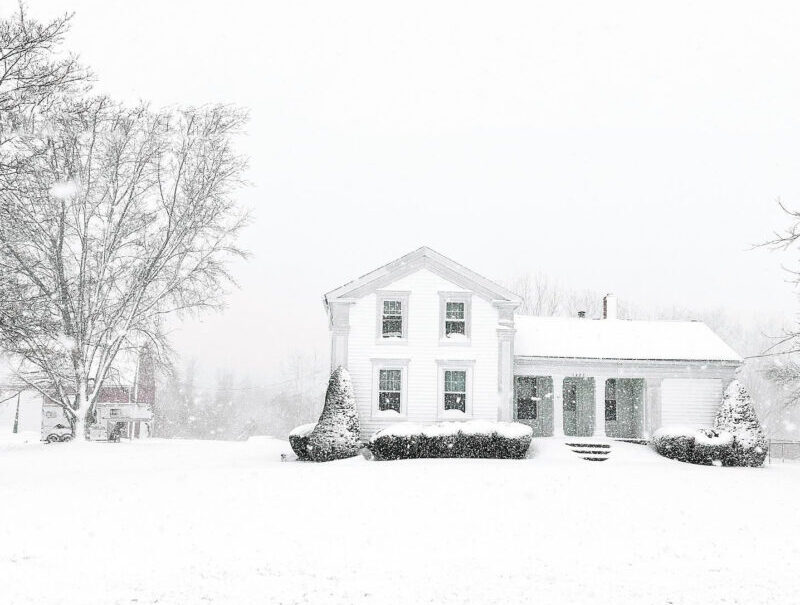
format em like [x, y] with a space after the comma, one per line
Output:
[118, 217]
[545, 296]
[34, 72]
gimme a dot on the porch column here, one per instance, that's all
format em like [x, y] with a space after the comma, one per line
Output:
[599, 406]
[653, 406]
[340, 328]
[505, 359]
[558, 405]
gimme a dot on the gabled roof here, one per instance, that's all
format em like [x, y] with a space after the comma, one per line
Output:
[619, 339]
[420, 258]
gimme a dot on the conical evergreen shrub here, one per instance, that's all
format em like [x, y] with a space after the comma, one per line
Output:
[738, 417]
[337, 434]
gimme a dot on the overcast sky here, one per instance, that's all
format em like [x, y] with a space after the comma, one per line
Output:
[616, 146]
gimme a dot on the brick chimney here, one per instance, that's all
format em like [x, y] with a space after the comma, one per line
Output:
[609, 306]
[146, 377]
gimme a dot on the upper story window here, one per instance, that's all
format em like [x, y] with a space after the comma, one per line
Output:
[392, 323]
[390, 388]
[455, 317]
[392, 317]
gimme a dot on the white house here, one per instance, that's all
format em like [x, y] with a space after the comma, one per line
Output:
[426, 339]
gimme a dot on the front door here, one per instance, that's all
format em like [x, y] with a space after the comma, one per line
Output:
[578, 407]
[624, 407]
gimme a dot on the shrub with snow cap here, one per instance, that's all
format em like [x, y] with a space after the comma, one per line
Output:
[471, 439]
[676, 442]
[298, 439]
[738, 417]
[336, 435]
[713, 447]
[698, 446]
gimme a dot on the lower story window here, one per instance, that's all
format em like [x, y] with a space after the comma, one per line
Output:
[389, 390]
[455, 390]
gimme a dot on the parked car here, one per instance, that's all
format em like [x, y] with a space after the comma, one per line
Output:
[59, 432]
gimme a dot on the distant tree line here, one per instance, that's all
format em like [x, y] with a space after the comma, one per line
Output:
[236, 408]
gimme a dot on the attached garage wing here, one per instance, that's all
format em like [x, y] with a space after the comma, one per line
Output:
[691, 401]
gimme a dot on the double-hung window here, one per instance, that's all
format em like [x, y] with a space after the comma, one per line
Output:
[455, 319]
[390, 388]
[392, 317]
[392, 322]
[454, 316]
[455, 390]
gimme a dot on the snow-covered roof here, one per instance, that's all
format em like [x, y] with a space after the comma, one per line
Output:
[619, 339]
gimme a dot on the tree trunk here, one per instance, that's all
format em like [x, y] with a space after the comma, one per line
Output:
[81, 411]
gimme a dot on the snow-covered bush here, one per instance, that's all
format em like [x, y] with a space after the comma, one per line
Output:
[298, 439]
[336, 435]
[471, 439]
[676, 442]
[737, 416]
[698, 446]
[713, 447]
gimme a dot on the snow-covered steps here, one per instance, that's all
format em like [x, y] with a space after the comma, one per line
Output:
[632, 440]
[594, 451]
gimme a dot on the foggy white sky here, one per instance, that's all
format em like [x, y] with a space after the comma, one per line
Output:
[619, 147]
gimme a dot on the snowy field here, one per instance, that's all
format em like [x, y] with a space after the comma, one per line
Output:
[184, 522]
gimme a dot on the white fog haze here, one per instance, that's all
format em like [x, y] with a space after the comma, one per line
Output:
[612, 147]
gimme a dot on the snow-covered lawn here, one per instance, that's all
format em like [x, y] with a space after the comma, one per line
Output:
[184, 522]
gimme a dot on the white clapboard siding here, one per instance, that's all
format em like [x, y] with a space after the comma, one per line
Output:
[424, 350]
[691, 401]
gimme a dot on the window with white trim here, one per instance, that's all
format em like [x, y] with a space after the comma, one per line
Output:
[454, 317]
[390, 389]
[392, 319]
[455, 321]
[455, 390]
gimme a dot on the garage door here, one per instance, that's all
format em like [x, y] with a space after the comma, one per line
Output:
[690, 401]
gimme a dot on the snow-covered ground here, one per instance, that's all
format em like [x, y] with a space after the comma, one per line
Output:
[184, 522]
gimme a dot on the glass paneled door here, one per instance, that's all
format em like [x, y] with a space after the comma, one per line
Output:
[578, 407]
[533, 398]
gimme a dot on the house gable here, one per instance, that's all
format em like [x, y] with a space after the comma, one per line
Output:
[431, 260]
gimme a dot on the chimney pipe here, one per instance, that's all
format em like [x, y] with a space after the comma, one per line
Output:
[609, 306]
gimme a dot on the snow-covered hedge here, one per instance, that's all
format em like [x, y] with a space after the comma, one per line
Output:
[713, 447]
[471, 439]
[698, 446]
[676, 442]
[298, 439]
